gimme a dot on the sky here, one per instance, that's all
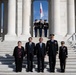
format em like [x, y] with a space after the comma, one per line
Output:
[36, 9]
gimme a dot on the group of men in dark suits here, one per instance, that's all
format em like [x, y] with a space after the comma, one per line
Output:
[38, 50]
[41, 50]
[39, 26]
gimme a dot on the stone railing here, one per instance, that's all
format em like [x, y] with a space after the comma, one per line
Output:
[72, 37]
[1, 38]
[72, 40]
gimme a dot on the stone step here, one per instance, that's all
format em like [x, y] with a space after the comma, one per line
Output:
[10, 53]
[46, 61]
[35, 73]
[68, 66]
[23, 44]
[35, 62]
[68, 61]
[7, 48]
[7, 65]
[45, 71]
[12, 58]
[12, 49]
[9, 58]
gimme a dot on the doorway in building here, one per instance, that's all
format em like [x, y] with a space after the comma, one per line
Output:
[40, 18]
[1, 20]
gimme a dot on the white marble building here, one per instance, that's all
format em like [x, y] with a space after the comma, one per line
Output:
[18, 18]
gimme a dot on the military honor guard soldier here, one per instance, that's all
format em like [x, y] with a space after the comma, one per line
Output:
[18, 55]
[40, 27]
[29, 48]
[36, 27]
[40, 50]
[46, 26]
[52, 50]
[63, 54]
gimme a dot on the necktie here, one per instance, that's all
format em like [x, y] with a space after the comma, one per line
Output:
[40, 45]
[30, 43]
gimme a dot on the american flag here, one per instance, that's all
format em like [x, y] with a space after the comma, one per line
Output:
[41, 11]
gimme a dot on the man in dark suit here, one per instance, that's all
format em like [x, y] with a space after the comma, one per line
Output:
[46, 26]
[63, 54]
[36, 27]
[40, 27]
[52, 49]
[30, 46]
[18, 55]
[40, 48]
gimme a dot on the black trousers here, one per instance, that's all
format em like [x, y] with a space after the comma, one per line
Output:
[40, 32]
[35, 31]
[40, 64]
[18, 63]
[45, 32]
[62, 64]
[30, 62]
[52, 62]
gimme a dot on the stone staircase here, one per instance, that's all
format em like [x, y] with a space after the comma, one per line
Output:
[7, 65]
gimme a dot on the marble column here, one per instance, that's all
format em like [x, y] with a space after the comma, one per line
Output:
[71, 16]
[31, 25]
[11, 33]
[5, 16]
[0, 18]
[19, 17]
[54, 17]
[26, 18]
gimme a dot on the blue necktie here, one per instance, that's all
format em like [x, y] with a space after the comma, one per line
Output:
[40, 45]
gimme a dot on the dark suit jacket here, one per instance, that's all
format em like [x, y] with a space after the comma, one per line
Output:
[52, 47]
[15, 53]
[29, 49]
[40, 51]
[63, 52]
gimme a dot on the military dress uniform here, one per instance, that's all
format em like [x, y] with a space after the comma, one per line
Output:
[30, 46]
[52, 50]
[40, 28]
[63, 53]
[46, 26]
[36, 28]
[40, 50]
